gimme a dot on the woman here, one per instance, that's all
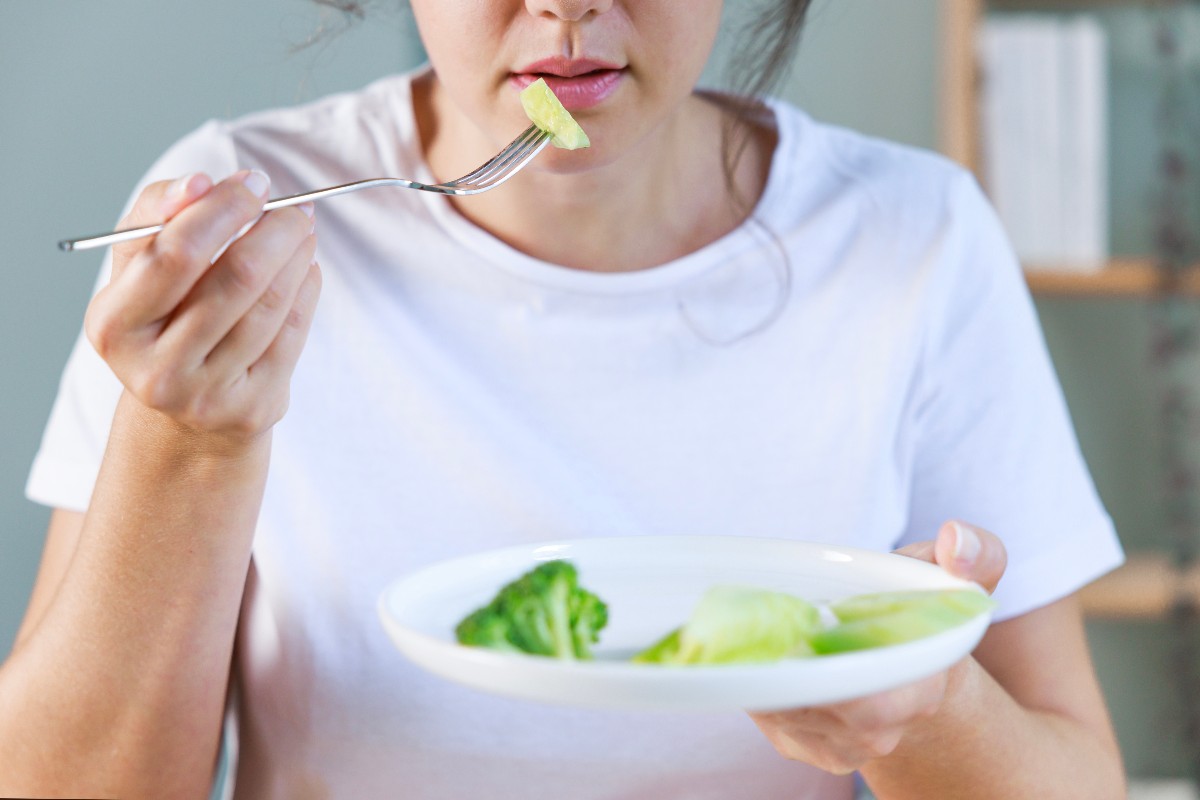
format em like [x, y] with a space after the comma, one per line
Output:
[723, 317]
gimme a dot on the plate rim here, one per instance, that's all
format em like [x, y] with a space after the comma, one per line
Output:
[419, 646]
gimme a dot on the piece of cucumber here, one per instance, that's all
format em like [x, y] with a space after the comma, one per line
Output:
[967, 601]
[877, 620]
[545, 111]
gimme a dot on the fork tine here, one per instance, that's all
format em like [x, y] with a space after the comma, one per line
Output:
[524, 136]
[515, 162]
[507, 160]
[512, 166]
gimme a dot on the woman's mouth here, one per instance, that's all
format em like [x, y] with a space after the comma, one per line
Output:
[578, 83]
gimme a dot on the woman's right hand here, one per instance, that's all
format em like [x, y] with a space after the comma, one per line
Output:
[128, 638]
[205, 334]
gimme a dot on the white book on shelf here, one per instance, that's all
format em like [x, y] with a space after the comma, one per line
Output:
[1085, 145]
[1043, 118]
[1001, 128]
[1043, 165]
[1019, 123]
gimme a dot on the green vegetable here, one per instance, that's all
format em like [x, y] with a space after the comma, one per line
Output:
[875, 620]
[545, 612]
[544, 110]
[967, 602]
[738, 625]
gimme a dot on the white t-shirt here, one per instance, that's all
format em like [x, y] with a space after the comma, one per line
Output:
[457, 395]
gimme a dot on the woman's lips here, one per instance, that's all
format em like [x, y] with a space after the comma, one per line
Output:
[578, 85]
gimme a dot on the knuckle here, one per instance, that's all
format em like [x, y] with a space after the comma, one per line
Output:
[297, 317]
[297, 219]
[146, 205]
[177, 253]
[272, 300]
[256, 423]
[100, 328]
[244, 409]
[241, 270]
[249, 424]
[881, 745]
[837, 763]
[257, 419]
[274, 409]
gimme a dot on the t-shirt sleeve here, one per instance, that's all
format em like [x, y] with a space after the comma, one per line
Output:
[68, 459]
[993, 440]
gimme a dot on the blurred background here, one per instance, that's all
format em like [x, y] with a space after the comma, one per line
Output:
[91, 93]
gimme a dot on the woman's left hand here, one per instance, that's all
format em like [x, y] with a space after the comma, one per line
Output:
[842, 737]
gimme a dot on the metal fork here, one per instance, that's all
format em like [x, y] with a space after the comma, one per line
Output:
[491, 174]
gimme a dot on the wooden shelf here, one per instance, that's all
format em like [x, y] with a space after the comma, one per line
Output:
[1119, 278]
[1063, 5]
[1146, 587]
[1149, 586]
[958, 126]
[960, 136]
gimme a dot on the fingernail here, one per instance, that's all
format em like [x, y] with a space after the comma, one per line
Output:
[178, 189]
[966, 544]
[257, 182]
[307, 208]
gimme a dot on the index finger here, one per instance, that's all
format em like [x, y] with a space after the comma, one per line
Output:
[158, 203]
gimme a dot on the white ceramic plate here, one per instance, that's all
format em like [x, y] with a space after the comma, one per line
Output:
[650, 584]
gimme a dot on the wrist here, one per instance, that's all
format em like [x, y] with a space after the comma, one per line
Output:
[168, 438]
[158, 475]
[936, 737]
[957, 711]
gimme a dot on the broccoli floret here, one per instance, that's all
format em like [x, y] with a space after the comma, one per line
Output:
[485, 628]
[544, 612]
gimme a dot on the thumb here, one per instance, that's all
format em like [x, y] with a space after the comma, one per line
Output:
[971, 553]
[157, 203]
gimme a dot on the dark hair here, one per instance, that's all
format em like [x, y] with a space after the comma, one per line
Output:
[349, 7]
[769, 44]
[765, 49]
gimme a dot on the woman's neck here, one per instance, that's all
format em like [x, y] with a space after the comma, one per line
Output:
[665, 198]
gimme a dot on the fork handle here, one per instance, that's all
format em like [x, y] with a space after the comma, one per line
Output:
[129, 234]
[102, 239]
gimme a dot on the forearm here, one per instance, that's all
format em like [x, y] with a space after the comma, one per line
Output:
[119, 688]
[982, 745]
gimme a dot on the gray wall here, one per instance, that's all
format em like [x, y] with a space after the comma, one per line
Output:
[91, 93]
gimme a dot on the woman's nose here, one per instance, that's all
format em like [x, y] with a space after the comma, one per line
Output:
[567, 10]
